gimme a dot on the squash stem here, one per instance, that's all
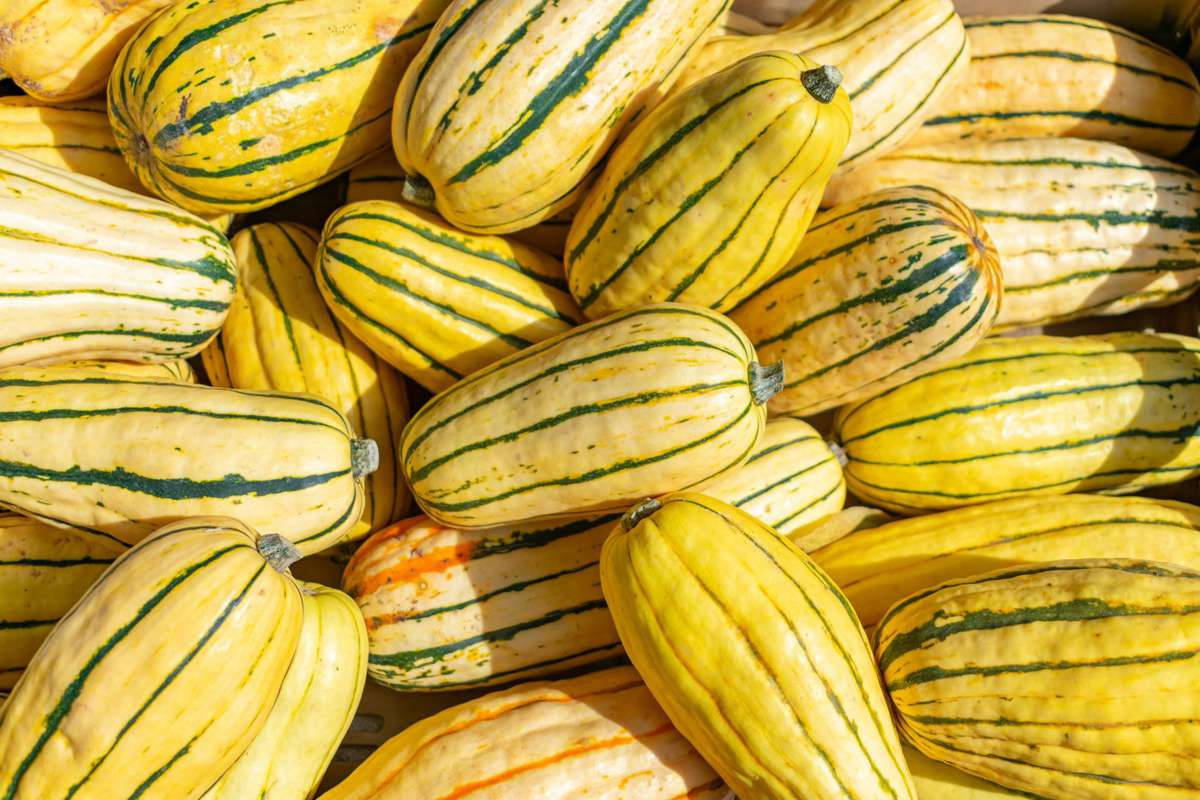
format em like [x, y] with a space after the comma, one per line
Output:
[364, 457]
[639, 513]
[417, 191]
[278, 551]
[765, 382]
[839, 453]
[822, 82]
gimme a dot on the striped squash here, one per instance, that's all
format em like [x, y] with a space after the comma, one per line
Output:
[753, 653]
[175, 371]
[899, 57]
[43, 571]
[1070, 244]
[281, 336]
[448, 608]
[877, 568]
[512, 104]
[881, 289]
[1033, 415]
[937, 781]
[436, 303]
[316, 703]
[61, 50]
[90, 271]
[1073, 679]
[817, 535]
[118, 456]
[108, 707]
[1055, 75]
[709, 195]
[598, 736]
[640, 403]
[236, 105]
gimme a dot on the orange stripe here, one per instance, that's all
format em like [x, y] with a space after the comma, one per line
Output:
[412, 569]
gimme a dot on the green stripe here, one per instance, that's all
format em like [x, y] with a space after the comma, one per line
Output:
[57, 563]
[506, 675]
[807, 437]
[171, 302]
[12, 625]
[158, 773]
[1165, 266]
[572, 413]
[445, 30]
[66, 701]
[81, 413]
[1081, 58]
[189, 340]
[57, 146]
[569, 82]
[780, 482]
[336, 524]
[265, 268]
[1073, 22]
[533, 539]
[779, 523]
[1049, 161]
[1108, 117]
[867, 84]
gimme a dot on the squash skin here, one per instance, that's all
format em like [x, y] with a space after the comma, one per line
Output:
[1070, 246]
[880, 290]
[1061, 680]
[289, 107]
[937, 781]
[1056, 75]
[176, 371]
[709, 195]
[280, 336]
[78, 280]
[193, 611]
[899, 58]
[317, 701]
[645, 401]
[283, 463]
[752, 652]
[63, 50]
[598, 736]
[483, 120]
[1035, 415]
[436, 303]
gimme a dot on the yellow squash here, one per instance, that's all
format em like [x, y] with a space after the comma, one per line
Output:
[43, 571]
[899, 57]
[513, 103]
[437, 303]
[161, 675]
[235, 105]
[176, 371]
[880, 290]
[1056, 75]
[599, 736]
[1070, 244]
[753, 653]
[643, 402]
[60, 50]
[709, 195]
[318, 699]
[881, 566]
[1030, 415]
[280, 336]
[1071, 680]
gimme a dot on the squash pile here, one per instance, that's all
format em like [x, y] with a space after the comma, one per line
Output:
[637, 364]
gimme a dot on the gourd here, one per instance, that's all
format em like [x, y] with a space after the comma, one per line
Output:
[709, 195]
[88, 271]
[176, 371]
[285, 107]
[205, 608]
[508, 111]
[753, 653]
[599, 735]
[881, 289]
[281, 336]
[436, 303]
[118, 456]
[642, 402]
[1061, 680]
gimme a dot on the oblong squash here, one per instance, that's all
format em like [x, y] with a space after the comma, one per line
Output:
[203, 609]
[1030, 415]
[752, 652]
[642, 402]
[43, 571]
[436, 303]
[1074, 679]
[174, 371]
[877, 568]
[285, 106]
[598, 736]
[1070, 244]
[899, 58]
[281, 336]
[119, 456]
[513, 103]
[60, 50]
[90, 271]
[1057, 75]
[881, 289]
[319, 697]
[709, 195]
